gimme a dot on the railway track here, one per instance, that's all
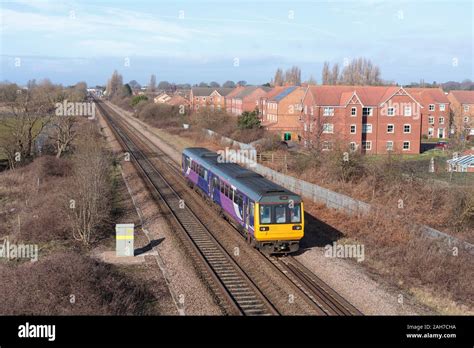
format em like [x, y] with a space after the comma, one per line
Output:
[227, 280]
[313, 287]
[306, 283]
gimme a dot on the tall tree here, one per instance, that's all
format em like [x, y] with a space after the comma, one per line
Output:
[325, 75]
[293, 76]
[361, 71]
[334, 76]
[114, 85]
[152, 84]
[214, 84]
[278, 79]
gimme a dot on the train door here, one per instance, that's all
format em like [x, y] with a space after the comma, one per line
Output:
[215, 188]
[247, 213]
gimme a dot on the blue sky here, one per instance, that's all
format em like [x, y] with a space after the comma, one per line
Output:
[193, 41]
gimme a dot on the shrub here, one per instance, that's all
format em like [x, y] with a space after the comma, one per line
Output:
[249, 120]
[67, 283]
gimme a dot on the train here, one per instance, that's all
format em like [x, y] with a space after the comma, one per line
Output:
[269, 216]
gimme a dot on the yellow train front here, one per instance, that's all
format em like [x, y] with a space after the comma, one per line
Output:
[279, 223]
[268, 215]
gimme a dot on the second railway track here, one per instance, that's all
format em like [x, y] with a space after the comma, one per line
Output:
[316, 292]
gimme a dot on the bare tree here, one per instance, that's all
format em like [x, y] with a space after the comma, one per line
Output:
[87, 202]
[278, 79]
[334, 76]
[114, 85]
[361, 71]
[64, 133]
[325, 75]
[31, 110]
[152, 84]
[293, 76]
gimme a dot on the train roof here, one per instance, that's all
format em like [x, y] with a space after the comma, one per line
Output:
[254, 185]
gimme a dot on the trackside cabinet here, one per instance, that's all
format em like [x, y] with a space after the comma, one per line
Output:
[124, 239]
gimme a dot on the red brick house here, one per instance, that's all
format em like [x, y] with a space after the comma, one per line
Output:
[281, 111]
[435, 114]
[213, 98]
[462, 110]
[247, 99]
[229, 107]
[370, 119]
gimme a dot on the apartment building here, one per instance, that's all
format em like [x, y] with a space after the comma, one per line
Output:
[462, 110]
[435, 114]
[247, 99]
[370, 119]
[213, 98]
[281, 111]
[229, 105]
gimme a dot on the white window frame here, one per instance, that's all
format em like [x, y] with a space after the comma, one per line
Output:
[203, 98]
[328, 111]
[441, 120]
[431, 120]
[355, 129]
[326, 127]
[393, 128]
[442, 107]
[403, 146]
[353, 111]
[387, 145]
[365, 128]
[353, 146]
[431, 107]
[370, 109]
[466, 108]
[409, 128]
[327, 145]
[391, 111]
[405, 113]
[367, 145]
[430, 131]
[466, 119]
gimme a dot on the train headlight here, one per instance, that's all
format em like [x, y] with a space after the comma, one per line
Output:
[297, 227]
[265, 228]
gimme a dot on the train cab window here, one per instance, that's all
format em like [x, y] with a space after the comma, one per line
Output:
[205, 174]
[216, 182]
[280, 214]
[265, 214]
[188, 163]
[295, 213]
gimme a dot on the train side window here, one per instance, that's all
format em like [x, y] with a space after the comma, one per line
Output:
[205, 174]
[216, 182]
[222, 187]
[252, 209]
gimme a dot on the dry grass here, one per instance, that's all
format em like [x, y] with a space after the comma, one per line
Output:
[403, 256]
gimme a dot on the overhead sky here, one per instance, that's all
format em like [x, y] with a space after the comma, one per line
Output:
[194, 41]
